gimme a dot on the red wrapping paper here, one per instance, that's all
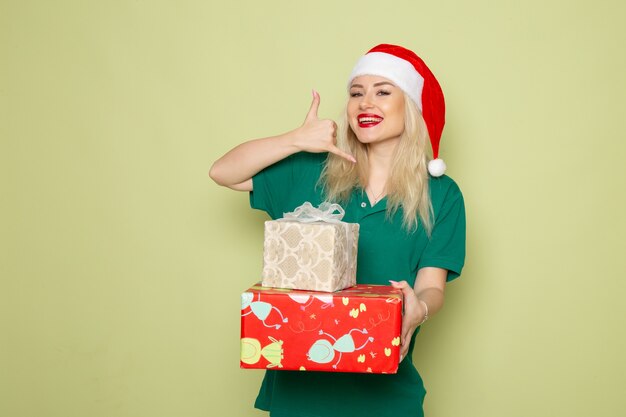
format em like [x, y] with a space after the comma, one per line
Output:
[353, 330]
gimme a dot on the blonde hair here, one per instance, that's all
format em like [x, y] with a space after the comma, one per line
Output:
[407, 185]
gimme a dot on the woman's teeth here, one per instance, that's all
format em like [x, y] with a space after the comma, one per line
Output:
[370, 120]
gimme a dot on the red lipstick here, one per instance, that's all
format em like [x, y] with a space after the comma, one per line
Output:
[368, 120]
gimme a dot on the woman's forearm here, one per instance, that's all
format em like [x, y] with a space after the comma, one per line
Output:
[433, 297]
[430, 287]
[244, 161]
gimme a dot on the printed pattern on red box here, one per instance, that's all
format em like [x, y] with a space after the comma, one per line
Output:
[354, 330]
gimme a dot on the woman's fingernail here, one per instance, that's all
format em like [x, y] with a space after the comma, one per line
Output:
[393, 282]
[401, 358]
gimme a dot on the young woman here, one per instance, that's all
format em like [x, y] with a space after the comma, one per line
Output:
[378, 166]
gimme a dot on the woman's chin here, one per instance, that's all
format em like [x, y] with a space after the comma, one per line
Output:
[375, 139]
[366, 137]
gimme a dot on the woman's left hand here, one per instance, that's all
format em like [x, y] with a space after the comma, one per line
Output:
[414, 313]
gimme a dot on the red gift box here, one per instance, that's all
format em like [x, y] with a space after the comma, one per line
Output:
[353, 330]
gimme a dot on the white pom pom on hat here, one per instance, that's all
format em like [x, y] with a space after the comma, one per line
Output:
[404, 68]
[437, 167]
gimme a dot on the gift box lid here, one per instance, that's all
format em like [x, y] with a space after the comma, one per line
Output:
[358, 290]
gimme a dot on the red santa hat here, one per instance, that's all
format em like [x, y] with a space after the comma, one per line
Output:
[405, 69]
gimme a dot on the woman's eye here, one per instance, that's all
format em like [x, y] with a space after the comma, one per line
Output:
[355, 94]
[383, 92]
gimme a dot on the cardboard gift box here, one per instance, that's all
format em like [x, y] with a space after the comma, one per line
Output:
[310, 249]
[354, 330]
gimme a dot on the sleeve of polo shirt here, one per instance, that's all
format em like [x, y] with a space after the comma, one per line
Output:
[273, 186]
[446, 248]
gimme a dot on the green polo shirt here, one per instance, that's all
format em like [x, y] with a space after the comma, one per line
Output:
[386, 252]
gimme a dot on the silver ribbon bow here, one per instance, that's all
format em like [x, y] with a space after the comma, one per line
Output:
[306, 213]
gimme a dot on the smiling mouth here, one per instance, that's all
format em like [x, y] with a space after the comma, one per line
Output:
[368, 120]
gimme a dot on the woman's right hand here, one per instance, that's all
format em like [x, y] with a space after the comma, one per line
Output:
[318, 135]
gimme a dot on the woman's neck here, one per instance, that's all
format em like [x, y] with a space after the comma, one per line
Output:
[380, 158]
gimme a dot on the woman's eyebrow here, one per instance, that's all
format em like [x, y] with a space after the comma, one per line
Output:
[375, 85]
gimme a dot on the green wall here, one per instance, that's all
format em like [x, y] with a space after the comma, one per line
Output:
[121, 263]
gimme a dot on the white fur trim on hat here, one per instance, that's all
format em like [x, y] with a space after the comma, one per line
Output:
[397, 70]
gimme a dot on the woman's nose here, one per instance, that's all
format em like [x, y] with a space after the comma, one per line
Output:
[365, 103]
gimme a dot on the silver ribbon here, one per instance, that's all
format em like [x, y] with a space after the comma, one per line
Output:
[306, 213]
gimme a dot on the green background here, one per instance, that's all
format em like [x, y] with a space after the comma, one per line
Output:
[121, 263]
